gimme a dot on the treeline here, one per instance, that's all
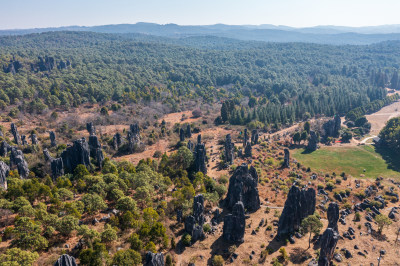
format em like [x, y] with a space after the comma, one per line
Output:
[287, 80]
[371, 107]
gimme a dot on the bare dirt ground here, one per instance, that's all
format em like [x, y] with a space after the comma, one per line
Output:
[379, 119]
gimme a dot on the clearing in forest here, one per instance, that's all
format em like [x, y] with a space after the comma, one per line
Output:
[357, 161]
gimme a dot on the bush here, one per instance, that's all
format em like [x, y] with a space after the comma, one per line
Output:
[186, 239]
[207, 228]
[217, 260]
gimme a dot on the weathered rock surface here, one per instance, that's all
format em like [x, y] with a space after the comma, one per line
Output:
[198, 209]
[190, 145]
[90, 128]
[248, 150]
[200, 156]
[94, 144]
[65, 260]
[34, 139]
[14, 132]
[188, 131]
[13, 67]
[4, 148]
[57, 168]
[194, 223]
[243, 187]
[254, 137]
[53, 142]
[234, 224]
[154, 259]
[245, 137]
[286, 159]
[4, 171]
[17, 159]
[46, 64]
[229, 150]
[181, 134]
[330, 237]
[47, 156]
[63, 65]
[76, 154]
[134, 138]
[299, 204]
[117, 141]
[23, 140]
[332, 127]
[312, 141]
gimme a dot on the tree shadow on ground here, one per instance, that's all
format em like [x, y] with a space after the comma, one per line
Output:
[299, 255]
[389, 156]
[221, 247]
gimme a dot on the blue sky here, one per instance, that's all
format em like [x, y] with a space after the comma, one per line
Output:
[297, 13]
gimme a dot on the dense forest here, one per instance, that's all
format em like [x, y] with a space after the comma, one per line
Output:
[281, 83]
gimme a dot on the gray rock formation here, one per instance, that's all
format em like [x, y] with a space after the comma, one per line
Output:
[76, 154]
[4, 171]
[312, 141]
[332, 127]
[65, 260]
[117, 141]
[190, 145]
[245, 137]
[134, 138]
[254, 137]
[63, 65]
[13, 67]
[23, 140]
[243, 187]
[286, 159]
[94, 144]
[47, 156]
[53, 142]
[248, 150]
[188, 131]
[299, 204]
[200, 157]
[14, 132]
[46, 64]
[229, 150]
[330, 237]
[34, 139]
[17, 159]
[90, 128]
[154, 259]
[234, 224]
[194, 223]
[181, 134]
[57, 168]
[4, 148]
[99, 157]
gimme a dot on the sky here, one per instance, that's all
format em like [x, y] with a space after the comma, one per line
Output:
[22, 14]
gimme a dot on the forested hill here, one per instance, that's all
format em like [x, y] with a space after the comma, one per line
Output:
[291, 78]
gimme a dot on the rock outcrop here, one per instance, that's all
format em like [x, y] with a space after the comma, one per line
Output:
[332, 127]
[286, 159]
[248, 150]
[312, 141]
[194, 223]
[254, 137]
[4, 171]
[117, 141]
[154, 259]
[14, 132]
[90, 128]
[34, 139]
[245, 137]
[4, 148]
[13, 67]
[234, 224]
[57, 168]
[190, 145]
[76, 154]
[63, 65]
[65, 260]
[188, 131]
[17, 159]
[229, 150]
[200, 157]
[330, 237]
[47, 156]
[134, 139]
[46, 64]
[53, 142]
[23, 140]
[299, 204]
[243, 187]
[181, 134]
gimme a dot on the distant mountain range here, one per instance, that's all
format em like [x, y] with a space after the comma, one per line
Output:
[266, 33]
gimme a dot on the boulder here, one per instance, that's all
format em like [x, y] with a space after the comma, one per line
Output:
[14, 132]
[243, 187]
[4, 171]
[234, 224]
[57, 168]
[76, 154]
[229, 150]
[53, 142]
[154, 259]
[312, 141]
[299, 204]
[65, 260]
[286, 159]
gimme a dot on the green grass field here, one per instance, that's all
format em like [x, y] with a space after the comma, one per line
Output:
[351, 160]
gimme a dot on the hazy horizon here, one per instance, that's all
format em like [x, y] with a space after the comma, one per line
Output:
[26, 14]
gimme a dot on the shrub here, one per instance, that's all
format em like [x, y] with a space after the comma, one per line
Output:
[186, 239]
[217, 260]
